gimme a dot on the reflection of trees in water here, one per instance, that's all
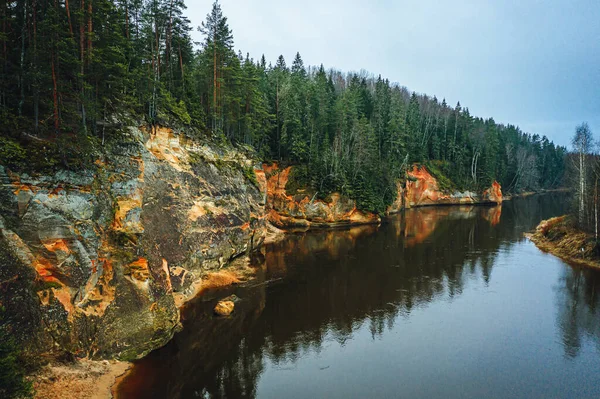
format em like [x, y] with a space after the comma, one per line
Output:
[578, 308]
[526, 213]
[341, 281]
[336, 282]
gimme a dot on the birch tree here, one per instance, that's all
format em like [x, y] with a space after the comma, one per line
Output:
[582, 143]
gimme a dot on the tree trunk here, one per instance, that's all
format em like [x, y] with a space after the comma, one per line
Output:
[82, 64]
[82, 37]
[168, 46]
[581, 188]
[445, 137]
[155, 65]
[474, 162]
[277, 116]
[455, 131]
[90, 31]
[157, 43]
[55, 94]
[69, 17]
[4, 55]
[214, 82]
[4, 17]
[127, 19]
[22, 61]
[596, 210]
[36, 95]
[182, 74]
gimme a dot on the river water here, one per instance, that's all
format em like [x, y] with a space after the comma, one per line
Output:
[444, 302]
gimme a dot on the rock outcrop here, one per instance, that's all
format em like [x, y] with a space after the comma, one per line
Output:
[302, 211]
[97, 261]
[493, 194]
[422, 189]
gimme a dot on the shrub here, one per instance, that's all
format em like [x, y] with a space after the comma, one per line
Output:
[13, 383]
[444, 183]
[12, 154]
[298, 179]
[250, 175]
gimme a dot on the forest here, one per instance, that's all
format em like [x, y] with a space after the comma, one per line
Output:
[74, 73]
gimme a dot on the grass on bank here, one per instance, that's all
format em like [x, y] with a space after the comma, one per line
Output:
[561, 237]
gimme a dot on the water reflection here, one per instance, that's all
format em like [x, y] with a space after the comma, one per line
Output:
[328, 286]
[578, 309]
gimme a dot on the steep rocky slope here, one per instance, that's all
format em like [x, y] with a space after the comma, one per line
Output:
[97, 261]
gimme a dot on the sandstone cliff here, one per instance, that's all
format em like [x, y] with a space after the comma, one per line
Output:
[97, 261]
[422, 189]
[303, 211]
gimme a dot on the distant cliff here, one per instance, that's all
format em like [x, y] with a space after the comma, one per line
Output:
[422, 189]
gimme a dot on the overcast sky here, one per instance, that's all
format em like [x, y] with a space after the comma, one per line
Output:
[532, 63]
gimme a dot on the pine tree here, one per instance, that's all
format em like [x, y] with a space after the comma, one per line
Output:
[70, 67]
[218, 47]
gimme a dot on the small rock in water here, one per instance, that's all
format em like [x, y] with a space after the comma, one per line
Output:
[224, 308]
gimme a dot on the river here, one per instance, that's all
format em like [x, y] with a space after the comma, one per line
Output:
[440, 302]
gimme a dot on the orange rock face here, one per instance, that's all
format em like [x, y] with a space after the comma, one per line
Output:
[109, 252]
[422, 189]
[493, 194]
[302, 211]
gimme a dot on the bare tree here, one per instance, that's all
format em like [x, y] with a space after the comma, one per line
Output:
[582, 142]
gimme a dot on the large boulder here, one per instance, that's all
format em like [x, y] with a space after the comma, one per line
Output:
[224, 308]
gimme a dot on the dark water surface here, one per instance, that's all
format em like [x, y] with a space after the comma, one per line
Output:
[447, 302]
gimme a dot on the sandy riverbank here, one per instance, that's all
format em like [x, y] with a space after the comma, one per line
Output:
[83, 379]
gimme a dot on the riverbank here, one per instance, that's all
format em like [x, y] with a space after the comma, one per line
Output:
[561, 238]
[81, 375]
[83, 379]
[99, 379]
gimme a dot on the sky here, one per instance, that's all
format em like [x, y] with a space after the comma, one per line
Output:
[531, 63]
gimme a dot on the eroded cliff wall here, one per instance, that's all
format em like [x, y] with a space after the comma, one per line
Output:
[422, 189]
[303, 211]
[96, 262]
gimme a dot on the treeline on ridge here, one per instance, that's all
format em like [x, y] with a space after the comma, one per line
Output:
[73, 70]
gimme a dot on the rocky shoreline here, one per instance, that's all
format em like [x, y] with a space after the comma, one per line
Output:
[300, 210]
